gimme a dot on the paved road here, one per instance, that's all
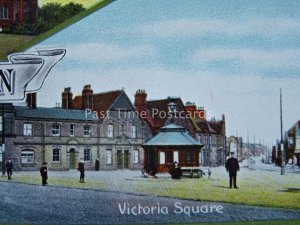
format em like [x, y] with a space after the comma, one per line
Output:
[33, 204]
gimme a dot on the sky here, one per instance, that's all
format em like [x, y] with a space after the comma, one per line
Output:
[232, 57]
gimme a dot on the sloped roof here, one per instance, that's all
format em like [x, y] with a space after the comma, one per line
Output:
[157, 121]
[101, 101]
[172, 135]
[52, 113]
[208, 127]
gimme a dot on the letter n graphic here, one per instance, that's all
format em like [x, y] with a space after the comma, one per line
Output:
[7, 80]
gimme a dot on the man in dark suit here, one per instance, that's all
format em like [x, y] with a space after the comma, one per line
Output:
[232, 166]
[81, 170]
[44, 173]
[9, 168]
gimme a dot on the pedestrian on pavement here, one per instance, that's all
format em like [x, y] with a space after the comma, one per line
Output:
[232, 166]
[44, 173]
[81, 170]
[97, 165]
[208, 172]
[9, 168]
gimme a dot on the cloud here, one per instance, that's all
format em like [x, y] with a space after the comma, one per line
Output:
[107, 52]
[203, 27]
[258, 58]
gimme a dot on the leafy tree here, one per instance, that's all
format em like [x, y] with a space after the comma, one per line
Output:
[49, 16]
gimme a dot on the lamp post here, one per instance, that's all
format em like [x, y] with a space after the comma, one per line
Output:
[281, 141]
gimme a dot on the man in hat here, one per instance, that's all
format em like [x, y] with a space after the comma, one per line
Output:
[9, 168]
[232, 166]
[44, 173]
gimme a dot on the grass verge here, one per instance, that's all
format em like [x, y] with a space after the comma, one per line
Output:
[257, 188]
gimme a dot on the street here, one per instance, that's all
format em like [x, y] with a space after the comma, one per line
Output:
[35, 204]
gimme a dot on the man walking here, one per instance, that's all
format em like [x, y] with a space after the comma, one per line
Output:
[81, 170]
[232, 166]
[9, 168]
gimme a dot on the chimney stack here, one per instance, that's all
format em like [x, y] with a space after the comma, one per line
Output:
[191, 109]
[140, 100]
[67, 98]
[31, 100]
[87, 97]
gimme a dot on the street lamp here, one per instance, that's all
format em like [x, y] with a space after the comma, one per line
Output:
[172, 110]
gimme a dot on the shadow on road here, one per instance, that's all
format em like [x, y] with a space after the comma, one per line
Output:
[291, 190]
[221, 187]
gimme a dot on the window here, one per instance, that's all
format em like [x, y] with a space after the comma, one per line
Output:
[162, 158]
[4, 12]
[56, 155]
[72, 129]
[27, 156]
[55, 129]
[86, 130]
[1, 123]
[110, 130]
[108, 157]
[135, 156]
[133, 131]
[87, 154]
[189, 157]
[176, 156]
[27, 131]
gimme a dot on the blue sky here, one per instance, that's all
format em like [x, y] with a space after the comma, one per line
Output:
[229, 56]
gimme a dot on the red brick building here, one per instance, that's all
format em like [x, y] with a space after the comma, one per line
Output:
[13, 12]
[155, 112]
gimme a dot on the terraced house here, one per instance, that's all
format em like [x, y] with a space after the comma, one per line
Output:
[61, 136]
[13, 12]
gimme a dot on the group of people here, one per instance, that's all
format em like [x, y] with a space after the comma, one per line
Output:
[232, 166]
[44, 172]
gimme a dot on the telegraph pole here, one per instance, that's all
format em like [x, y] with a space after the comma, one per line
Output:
[281, 141]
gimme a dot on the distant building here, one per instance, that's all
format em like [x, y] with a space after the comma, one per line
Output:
[243, 150]
[13, 12]
[292, 143]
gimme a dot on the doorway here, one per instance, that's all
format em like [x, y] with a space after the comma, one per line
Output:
[122, 159]
[151, 164]
[72, 159]
[126, 159]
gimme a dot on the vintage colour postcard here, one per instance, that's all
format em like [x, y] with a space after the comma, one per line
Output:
[150, 112]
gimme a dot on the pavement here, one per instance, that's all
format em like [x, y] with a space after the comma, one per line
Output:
[35, 204]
